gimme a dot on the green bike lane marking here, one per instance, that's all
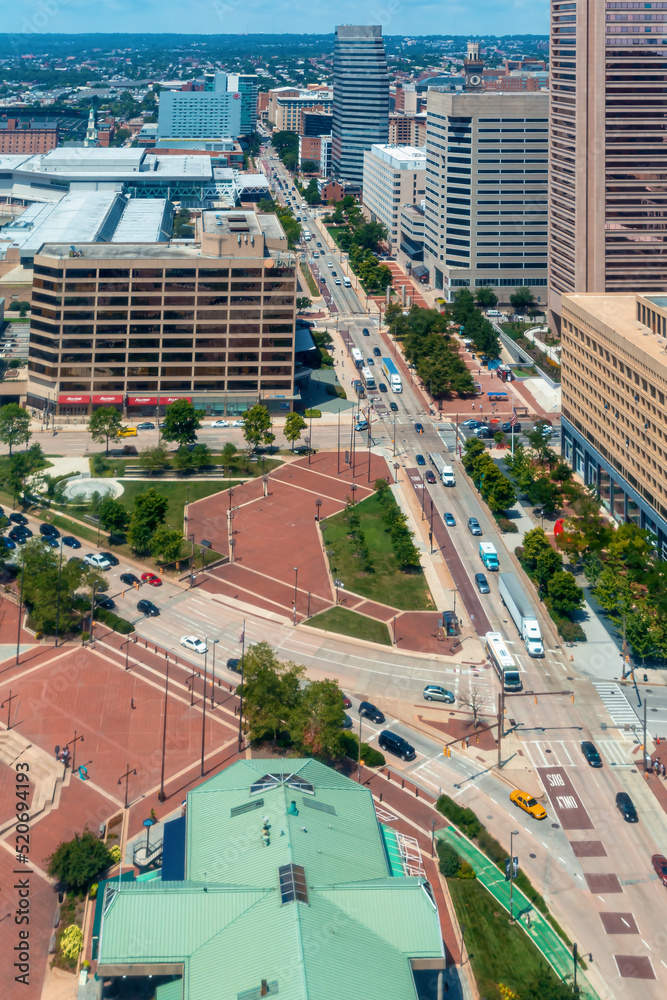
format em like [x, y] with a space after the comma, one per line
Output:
[540, 931]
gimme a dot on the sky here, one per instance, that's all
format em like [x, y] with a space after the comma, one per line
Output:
[414, 17]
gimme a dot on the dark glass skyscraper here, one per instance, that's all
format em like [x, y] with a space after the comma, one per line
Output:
[361, 97]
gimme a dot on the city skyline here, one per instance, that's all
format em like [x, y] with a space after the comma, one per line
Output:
[37, 17]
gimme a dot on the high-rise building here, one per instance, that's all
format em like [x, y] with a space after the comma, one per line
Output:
[361, 97]
[486, 189]
[614, 387]
[393, 176]
[608, 169]
[137, 325]
[245, 84]
[203, 114]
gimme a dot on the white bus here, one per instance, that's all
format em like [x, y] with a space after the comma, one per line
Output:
[357, 357]
[368, 378]
[503, 662]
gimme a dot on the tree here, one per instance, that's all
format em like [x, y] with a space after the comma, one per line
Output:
[316, 723]
[522, 299]
[183, 460]
[151, 507]
[181, 422]
[500, 495]
[473, 700]
[112, 514]
[270, 692]
[22, 466]
[486, 298]
[257, 427]
[564, 594]
[153, 459]
[309, 167]
[312, 195]
[41, 582]
[201, 455]
[294, 425]
[546, 493]
[104, 423]
[303, 302]
[534, 543]
[139, 535]
[80, 862]
[227, 455]
[544, 985]
[166, 544]
[14, 425]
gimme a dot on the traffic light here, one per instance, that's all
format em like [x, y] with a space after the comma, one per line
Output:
[447, 751]
[477, 738]
[572, 697]
[463, 744]
[536, 699]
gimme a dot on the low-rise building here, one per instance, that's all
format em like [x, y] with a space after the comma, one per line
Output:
[18, 136]
[614, 388]
[393, 176]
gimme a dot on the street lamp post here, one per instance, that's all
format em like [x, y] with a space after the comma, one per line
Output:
[192, 561]
[18, 628]
[432, 838]
[161, 796]
[60, 573]
[318, 504]
[128, 771]
[354, 489]
[513, 834]
[241, 694]
[214, 644]
[73, 743]
[296, 577]
[203, 712]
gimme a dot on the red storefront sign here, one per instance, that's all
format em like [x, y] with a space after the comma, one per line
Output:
[107, 399]
[73, 400]
[153, 400]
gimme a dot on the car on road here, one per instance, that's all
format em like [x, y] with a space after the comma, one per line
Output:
[111, 558]
[319, 244]
[347, 721]
[336, 280]
[659, 862]
[97, 561]
[626, 807]
[50, 530]
[482, 583]
[366, 332]
[329, 263]
[334, 274]
[127, 432]
[434, 692]
[529, 804]
[194, 643]
[472, 423]
[130, 579]
[146, 425]
[370, 362]
[420, 460]
[369, 711]
[507, 427]
[71, 541]
[17, 518]
[382, 387]
[591, 753]
[239, 423]
[105, 602]
[450, 520]
[151, 578]
[474, 526]
[419, 428]
[377, 352]
[395, 744]
[220, 423]
[484, 432]
[393, 406]
[234, 664]
[430, 477]
[148, 608]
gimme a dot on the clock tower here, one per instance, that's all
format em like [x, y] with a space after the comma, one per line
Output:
[473, 66]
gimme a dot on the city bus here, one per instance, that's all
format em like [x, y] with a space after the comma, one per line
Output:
[357, 357]
[368, 378]
[503, 662]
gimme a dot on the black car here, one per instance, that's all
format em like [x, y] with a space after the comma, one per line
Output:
[482, 583]
[396, 745]
[130, 579]
[234, 664]
[377, 352]
[507, 427]
[347, 721]
[366, 332]
[73, 543]
[105, 602]
[393, 406]
[110, 558]
[382, 387]
[369, 711]
[50, 541]
[591, 753]
[370, 362]
[18, 518]
[148, 608]
[419, 428]
[626, 807]
[20, 535]
[50, 530]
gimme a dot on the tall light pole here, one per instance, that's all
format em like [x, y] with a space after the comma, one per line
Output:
[241, 694]
[296, 577]
[128, 771]
[513, 834]
[18, 629]
[60, 573]
[203, 712]
[192, 561]
[214, 644]
[161, 796]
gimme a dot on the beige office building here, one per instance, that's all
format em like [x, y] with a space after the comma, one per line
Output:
[608, 168]
[393, 176]
[614, 386]
[286, 105]
[486, 190]
[137, 326]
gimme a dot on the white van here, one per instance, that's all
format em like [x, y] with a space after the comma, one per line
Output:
[347, 282]
[493, 312]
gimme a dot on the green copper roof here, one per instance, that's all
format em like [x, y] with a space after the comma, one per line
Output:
[228, 923]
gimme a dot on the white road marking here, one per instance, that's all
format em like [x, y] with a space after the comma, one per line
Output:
[646, 944]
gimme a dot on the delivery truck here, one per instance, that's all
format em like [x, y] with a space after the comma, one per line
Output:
[444, 471]
[521, 612]
[489, 556]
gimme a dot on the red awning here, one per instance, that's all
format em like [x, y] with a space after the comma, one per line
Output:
[173, 399]
[71, 400]
[101, 398]
[141, 400]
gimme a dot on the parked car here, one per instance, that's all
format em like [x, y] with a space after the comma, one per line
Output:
[347, 703]
[130, 579]
[71, 541]
[659, 862]
[472, 423]
[347, 721]
[377, 352]
[450, 520]
[393, 406]
[20, 535]
[526, 802]
[369, 711]
[420, 460]
[220, 423]
[111, 558]
[194, 643]
[591, 753]
[49, 529]
[148, 608]
[77, 560]
[8, 544]
[430, 477]
[626, 807]
[49, 540]
[146, 425]
[474, 526]
[239, 423]
[127, 432]
[482, 583]
[151, 578]
[17, 518]
[97, 561]
[395, 744]
[434, 692]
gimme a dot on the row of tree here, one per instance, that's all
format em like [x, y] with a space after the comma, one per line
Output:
[495, 488]
[396, 523]
[428, 344]
[556, 586]
[473, 324]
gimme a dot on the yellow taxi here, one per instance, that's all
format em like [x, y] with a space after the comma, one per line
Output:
[127, 432]
[526, 802]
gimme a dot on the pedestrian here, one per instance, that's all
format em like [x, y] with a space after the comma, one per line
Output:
[132, 704]
[664, 770]
[645, 678]
[473, 406]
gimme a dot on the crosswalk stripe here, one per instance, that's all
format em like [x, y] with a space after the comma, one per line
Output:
[617, 705]
[567, 753]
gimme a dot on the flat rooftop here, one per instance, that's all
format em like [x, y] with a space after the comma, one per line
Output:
[401, 157]
[618, 312]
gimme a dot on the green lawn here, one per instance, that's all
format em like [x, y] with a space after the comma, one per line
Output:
[498, 951]
[310, 281]
[350, 623]
[175, 491]
[386, 582]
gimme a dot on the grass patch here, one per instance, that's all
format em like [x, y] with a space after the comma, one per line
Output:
[350, 623]
[175, 491]
[525, 372]
[386, 582]
[67, 526]
[310, 281]
[499, 952]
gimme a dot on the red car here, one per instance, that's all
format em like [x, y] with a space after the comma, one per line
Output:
[151, 578]
[659, 862]
[346, 702]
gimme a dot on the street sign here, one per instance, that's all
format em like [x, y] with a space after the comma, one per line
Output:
[515, 867]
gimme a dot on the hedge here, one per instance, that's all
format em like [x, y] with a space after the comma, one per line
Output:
[114, 622]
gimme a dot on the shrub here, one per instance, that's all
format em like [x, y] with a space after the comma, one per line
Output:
[115, 854]
[93, 890]
[114, 622]
[448, 860]
[372, 757]
[79, 862]
[312, 413]
[71, 942]
[569, 631]
[463, 818]
[507, 527]
[466, 870]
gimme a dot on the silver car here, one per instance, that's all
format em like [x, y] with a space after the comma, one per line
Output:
[433, 692]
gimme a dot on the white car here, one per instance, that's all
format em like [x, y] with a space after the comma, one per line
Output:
[329, 263]
[239, 423]
[220, 423]
[194, 643]
[97, 561]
